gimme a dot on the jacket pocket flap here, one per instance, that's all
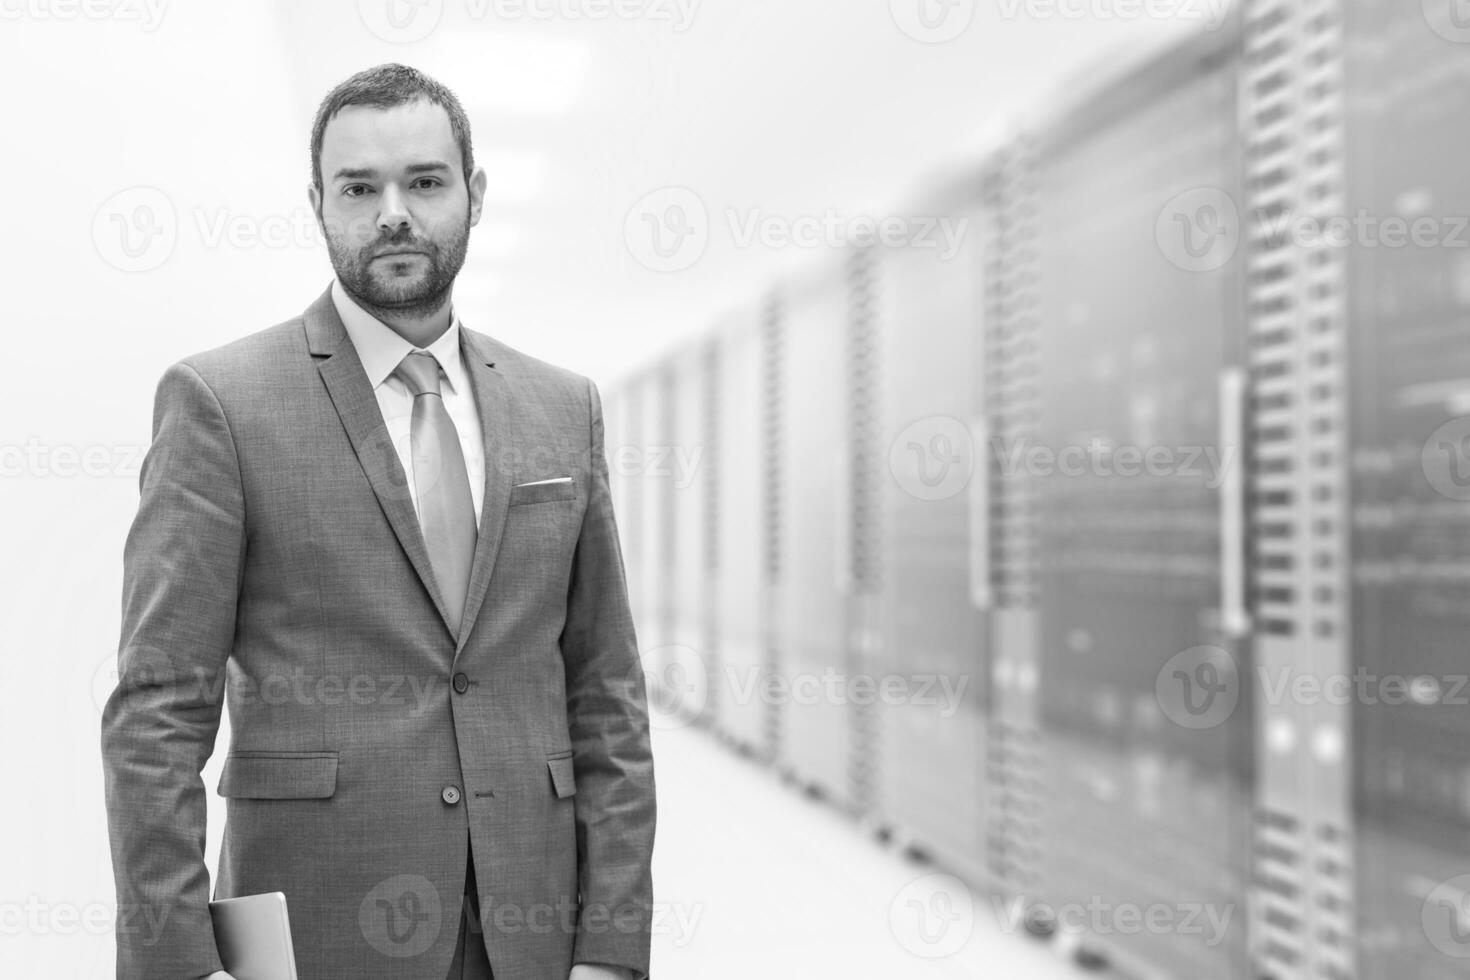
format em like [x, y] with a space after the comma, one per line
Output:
[563, 780]
[279, 776]
[536, 493]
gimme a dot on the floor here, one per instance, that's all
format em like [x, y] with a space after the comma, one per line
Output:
[753, 880]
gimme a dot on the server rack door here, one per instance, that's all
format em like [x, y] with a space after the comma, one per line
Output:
[740, 534]
[688, 654]
[1147, 804]
[811, 638]
[931, 739]
[1408, 396]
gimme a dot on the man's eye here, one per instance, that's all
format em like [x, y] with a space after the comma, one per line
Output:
[355, 190]
[427, 183]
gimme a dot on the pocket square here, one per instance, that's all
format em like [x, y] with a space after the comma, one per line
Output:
[542, 483]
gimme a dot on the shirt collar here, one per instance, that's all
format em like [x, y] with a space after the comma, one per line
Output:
[381, 349]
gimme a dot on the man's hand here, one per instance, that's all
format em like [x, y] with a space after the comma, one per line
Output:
[596, 971]
[219, 975]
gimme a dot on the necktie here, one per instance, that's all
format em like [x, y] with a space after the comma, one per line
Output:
[446, 509]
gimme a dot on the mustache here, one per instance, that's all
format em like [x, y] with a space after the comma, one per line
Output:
[399, 243]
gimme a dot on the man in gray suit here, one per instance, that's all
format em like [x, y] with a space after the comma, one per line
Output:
[387, 542]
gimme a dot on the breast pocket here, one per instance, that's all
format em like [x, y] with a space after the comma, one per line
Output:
[279, 776]
[541, 493]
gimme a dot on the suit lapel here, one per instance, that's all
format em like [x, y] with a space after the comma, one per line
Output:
[494, 403]
[353, 397]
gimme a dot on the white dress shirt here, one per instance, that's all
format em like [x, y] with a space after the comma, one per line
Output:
[381, 350]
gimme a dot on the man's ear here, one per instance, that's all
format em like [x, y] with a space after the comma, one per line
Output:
[315, 197]
[478, 183]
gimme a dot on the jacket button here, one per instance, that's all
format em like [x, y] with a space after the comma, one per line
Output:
[450, 795]
[461, 683]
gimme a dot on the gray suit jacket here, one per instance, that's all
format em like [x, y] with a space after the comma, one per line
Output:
[276, 547]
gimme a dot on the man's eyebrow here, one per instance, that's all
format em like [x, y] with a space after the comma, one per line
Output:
[366, 173]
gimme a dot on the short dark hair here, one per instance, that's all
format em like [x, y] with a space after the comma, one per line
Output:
[385, 87]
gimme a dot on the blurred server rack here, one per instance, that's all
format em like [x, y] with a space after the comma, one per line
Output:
[653, 397]
[1139, 543]
[742, 536]
[1406, 83]
[812, 534]
[915, 371]
[1004, 535]
[686, 470]
[1293, 113]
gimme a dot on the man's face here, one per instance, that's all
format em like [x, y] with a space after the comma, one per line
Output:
[394, 205]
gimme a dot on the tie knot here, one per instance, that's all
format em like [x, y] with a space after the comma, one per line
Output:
[420, 371]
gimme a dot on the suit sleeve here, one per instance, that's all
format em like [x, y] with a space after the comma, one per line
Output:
[181, 580]
[607, 711]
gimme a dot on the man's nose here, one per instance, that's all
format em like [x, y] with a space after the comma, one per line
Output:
[393, 215]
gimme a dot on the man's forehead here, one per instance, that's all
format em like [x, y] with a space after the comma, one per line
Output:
[416, 128]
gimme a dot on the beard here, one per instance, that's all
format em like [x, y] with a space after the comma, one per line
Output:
[412, 286]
